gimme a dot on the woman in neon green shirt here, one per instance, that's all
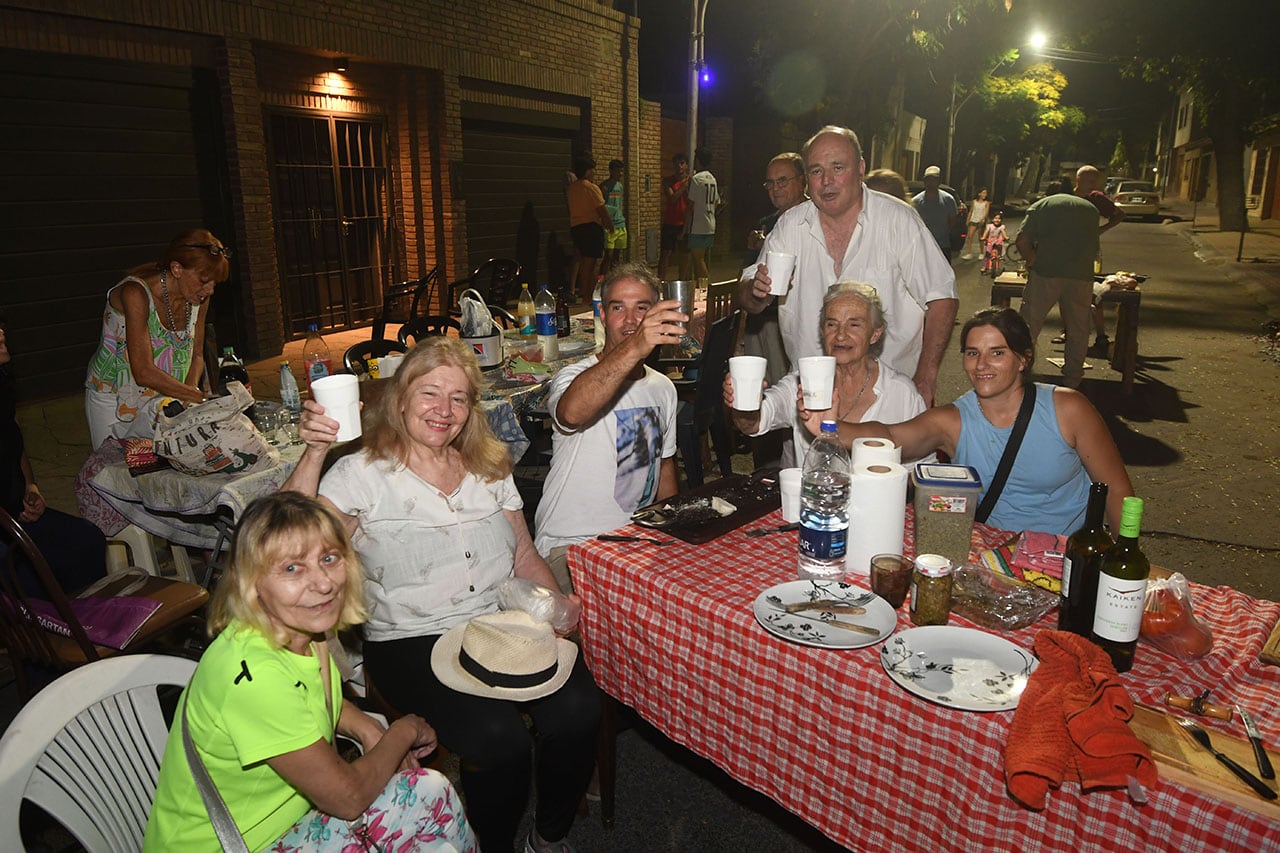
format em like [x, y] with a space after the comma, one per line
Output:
[266, 700]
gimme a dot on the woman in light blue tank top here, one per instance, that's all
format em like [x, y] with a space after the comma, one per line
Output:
[1066, 445]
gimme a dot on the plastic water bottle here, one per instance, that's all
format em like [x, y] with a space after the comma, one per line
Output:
[289, 394]
[597, 314]
[546, 322]
[525, 312]
[824, 507]
[315, 356]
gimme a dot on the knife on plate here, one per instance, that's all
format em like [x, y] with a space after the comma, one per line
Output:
[1255, 738]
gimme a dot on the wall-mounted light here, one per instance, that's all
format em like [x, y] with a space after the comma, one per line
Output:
[340, 63]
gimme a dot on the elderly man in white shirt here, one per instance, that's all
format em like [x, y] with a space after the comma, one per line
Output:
[847, 231]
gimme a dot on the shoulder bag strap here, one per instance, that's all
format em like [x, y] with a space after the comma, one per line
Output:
[223, 824]
[1010, 453]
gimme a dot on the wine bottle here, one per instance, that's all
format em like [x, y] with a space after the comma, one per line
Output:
[1122, 587]
[1081, 564]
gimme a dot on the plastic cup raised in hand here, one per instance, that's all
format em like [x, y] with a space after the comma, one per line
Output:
[789, 486]
[780, 266]
[817, 379]
[747, 373]
[340, 396]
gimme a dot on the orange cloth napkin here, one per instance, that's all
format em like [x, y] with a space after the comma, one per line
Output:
[1072, 723]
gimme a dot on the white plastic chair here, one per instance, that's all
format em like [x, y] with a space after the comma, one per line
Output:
[87, 750]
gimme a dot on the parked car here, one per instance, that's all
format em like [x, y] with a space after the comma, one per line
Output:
[1109, 189]
[1138, 198]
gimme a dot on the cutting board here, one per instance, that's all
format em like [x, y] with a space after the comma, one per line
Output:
[1271, 648]
[1182, 760]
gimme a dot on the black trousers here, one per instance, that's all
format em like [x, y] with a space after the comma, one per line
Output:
[499, 754]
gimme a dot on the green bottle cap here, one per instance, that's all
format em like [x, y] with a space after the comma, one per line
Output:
[1131, 517]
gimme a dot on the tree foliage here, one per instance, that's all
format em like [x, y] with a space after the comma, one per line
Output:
[1223, 53]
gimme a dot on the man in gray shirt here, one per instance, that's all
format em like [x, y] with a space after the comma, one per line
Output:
[938, 209]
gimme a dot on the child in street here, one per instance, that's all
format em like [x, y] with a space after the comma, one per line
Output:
[993, 239]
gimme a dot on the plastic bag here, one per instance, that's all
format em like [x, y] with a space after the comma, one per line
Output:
[476, 320]
[214, 437]
[544, 605]
[1169, 622]
[993, 600]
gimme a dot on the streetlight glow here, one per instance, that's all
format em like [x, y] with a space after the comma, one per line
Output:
[1038, 40]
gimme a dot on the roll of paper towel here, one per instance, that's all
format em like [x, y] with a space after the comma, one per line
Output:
[868, 451]
[877, 513]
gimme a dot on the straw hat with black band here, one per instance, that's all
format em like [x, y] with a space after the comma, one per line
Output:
[503, 655]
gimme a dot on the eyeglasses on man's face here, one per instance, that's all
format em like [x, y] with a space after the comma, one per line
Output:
[780, 183]
[212, 248]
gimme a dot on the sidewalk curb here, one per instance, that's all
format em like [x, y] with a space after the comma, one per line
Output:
[1268, 296]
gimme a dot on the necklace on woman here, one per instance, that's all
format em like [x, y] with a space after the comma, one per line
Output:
[180, 334]
[849, 408]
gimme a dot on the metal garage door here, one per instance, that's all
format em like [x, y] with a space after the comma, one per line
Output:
[102, 163]
[504, 169]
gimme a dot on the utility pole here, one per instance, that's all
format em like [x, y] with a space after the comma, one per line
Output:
[698, 15]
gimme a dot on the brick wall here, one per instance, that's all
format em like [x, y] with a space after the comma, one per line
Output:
[408, 61]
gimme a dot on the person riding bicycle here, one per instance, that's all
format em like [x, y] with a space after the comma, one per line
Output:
[994, 238]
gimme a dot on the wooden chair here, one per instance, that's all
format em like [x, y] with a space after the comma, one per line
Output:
[421, 327]
[87, 751]
[356, 358]
[720, 296]
[31, 644]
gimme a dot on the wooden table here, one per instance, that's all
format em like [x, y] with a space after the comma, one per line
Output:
[669, 632]
[1124, 355]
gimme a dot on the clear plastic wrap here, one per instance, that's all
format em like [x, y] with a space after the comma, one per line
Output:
[544, 605]
[994, 600]
[1169, 622]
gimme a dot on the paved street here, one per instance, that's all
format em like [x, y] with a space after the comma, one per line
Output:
[1200, 433]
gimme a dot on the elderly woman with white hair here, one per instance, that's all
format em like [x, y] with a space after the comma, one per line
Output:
[852, 328]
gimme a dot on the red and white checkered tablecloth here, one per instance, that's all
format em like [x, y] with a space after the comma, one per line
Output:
[669, 631]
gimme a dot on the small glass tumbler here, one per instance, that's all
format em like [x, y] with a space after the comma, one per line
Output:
[891, 577]
[288, 432]
[268, 422]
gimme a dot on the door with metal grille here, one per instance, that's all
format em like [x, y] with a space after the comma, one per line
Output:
[331, 204]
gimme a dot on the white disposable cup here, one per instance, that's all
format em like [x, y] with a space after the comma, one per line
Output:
[789, 485]
[340, 396]
[747, 373]
[389, 364]
[780, 265]
[817, 379]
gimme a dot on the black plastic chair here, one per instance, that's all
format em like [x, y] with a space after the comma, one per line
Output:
[704, 412]
[393, 301]
[356, 358]
[422, 327]
[504, 318]
[495, 280]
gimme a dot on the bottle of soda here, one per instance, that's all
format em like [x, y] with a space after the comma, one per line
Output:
[597, 315]
[562, 312]
[289, 394]
[315, 356]
[232, 369]
[525, 313]
[545, 318]
[824, 507]
[1081, 564]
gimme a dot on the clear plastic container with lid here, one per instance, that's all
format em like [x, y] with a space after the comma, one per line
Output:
[946, 501]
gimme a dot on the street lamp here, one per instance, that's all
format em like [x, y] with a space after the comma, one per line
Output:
[698, 14]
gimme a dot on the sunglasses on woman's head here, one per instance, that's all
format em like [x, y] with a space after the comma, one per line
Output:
[212, 248]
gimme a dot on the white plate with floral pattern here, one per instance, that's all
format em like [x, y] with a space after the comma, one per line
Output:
[819, 627]
[959, 667]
